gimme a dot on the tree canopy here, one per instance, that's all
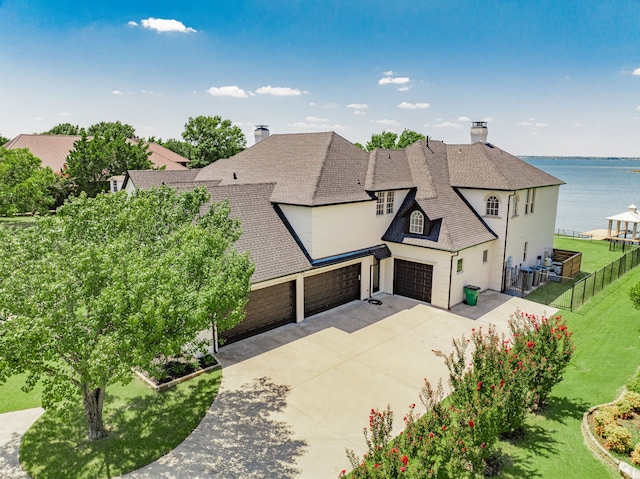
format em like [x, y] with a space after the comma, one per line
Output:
[65, 129]
[94, 160]
[111, 283]
[25, 186]
[211, 138]
[391, 141]
[111, 129]
[3, 140]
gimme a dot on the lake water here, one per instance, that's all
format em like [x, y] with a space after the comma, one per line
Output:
[595, 188]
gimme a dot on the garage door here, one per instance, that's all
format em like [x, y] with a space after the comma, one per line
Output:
[267, 309]
[333, 288]
[413, 280]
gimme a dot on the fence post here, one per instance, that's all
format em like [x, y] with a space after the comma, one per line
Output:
[573, 289]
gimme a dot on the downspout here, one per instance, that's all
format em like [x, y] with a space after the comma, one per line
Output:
[457, 253]
[506, 233]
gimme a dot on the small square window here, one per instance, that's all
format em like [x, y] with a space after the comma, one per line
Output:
[459, 266]
[485, 256]
[524, 254]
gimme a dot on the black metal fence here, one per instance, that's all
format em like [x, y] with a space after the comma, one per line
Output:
[572, 294]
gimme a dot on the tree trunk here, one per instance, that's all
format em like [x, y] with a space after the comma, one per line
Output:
[93, 400]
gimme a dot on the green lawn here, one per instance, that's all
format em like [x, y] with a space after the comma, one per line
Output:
[143, 426]
[606, 335]
[13, 398]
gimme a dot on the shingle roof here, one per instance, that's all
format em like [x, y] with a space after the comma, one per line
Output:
[54, 149]
[308, 169]
[485, 166]
[388, 170]
[459, 226]
[144, 179]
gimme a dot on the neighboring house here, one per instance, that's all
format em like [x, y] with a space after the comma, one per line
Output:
[54, 149]
[327, 223]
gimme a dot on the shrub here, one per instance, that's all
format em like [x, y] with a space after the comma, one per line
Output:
[544, 346]
[635, 455]
[603, 417]
[634, 383]
[618, 439]
[633, 399]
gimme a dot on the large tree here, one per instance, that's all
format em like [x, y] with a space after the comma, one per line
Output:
[212, 138]
[112, 282]
[112, 129]
[391, 141]
[25, 186]
[3, 140]
[65, 129]
[94, 160]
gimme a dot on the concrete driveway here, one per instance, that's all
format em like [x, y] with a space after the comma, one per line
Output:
[292, 399]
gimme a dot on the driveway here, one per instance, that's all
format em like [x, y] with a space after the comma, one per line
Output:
[294, 398]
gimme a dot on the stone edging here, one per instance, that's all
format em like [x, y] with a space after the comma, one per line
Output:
[625, 470]
[163, 387]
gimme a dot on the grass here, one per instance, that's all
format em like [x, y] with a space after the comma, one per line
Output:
[605, 332]
[142, 425]
[13, 398]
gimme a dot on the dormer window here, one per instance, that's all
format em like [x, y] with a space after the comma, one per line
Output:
[416, 223]
[493, 206]
[380, 204]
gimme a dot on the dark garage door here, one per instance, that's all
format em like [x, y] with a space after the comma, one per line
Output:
[413, 280]
[267, 309]
[333, 288]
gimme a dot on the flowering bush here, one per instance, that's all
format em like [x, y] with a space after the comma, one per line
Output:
[617, 438]
[635, 455]
[545, 347]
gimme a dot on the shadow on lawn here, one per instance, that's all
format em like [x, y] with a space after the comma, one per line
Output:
[9, 464]
[140, 430]
[561, 408]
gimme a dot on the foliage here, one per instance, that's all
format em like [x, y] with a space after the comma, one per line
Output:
[182, 148]
[545, 347]
[111, 129]
[146, 426]
[111, 283]
[617, 438]
[635, 455]
[94, 160]
[3, 140]
[65, 129]
[634, 383]
[212, 138]
[25, 186]
[634, 295]
[390, 141]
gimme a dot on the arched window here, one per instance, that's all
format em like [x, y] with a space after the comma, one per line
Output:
[416, 223]
[493, 203]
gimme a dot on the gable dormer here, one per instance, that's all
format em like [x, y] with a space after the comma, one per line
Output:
[412, 222]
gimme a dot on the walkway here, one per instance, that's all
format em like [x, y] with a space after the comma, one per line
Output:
[292, 399]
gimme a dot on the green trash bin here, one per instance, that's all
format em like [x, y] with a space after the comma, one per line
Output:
[471, 294]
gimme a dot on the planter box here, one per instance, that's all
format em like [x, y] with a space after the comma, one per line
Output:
[164, 386]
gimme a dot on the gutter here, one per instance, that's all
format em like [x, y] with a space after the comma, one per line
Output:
[506, 233]
[453, 255]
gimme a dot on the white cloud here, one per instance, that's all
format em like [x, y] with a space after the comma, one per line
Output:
[163, 25]
[448, 124]
[394, 80]
[360, 112]
[524, 123]
[530, 123]
[541, 125]
[279, 91]
[358, 106]
[464, 118]
[315, 119]
[231, 90]
[312, 104]
[638, 108]
[636, 72]
[413, 106]
[39, 118]
[487, 119]
[132, 23]
[405, 88]
[116, 92]
[388, 73]
[387, 122]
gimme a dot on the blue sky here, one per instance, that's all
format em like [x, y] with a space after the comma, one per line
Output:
[550, 77]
